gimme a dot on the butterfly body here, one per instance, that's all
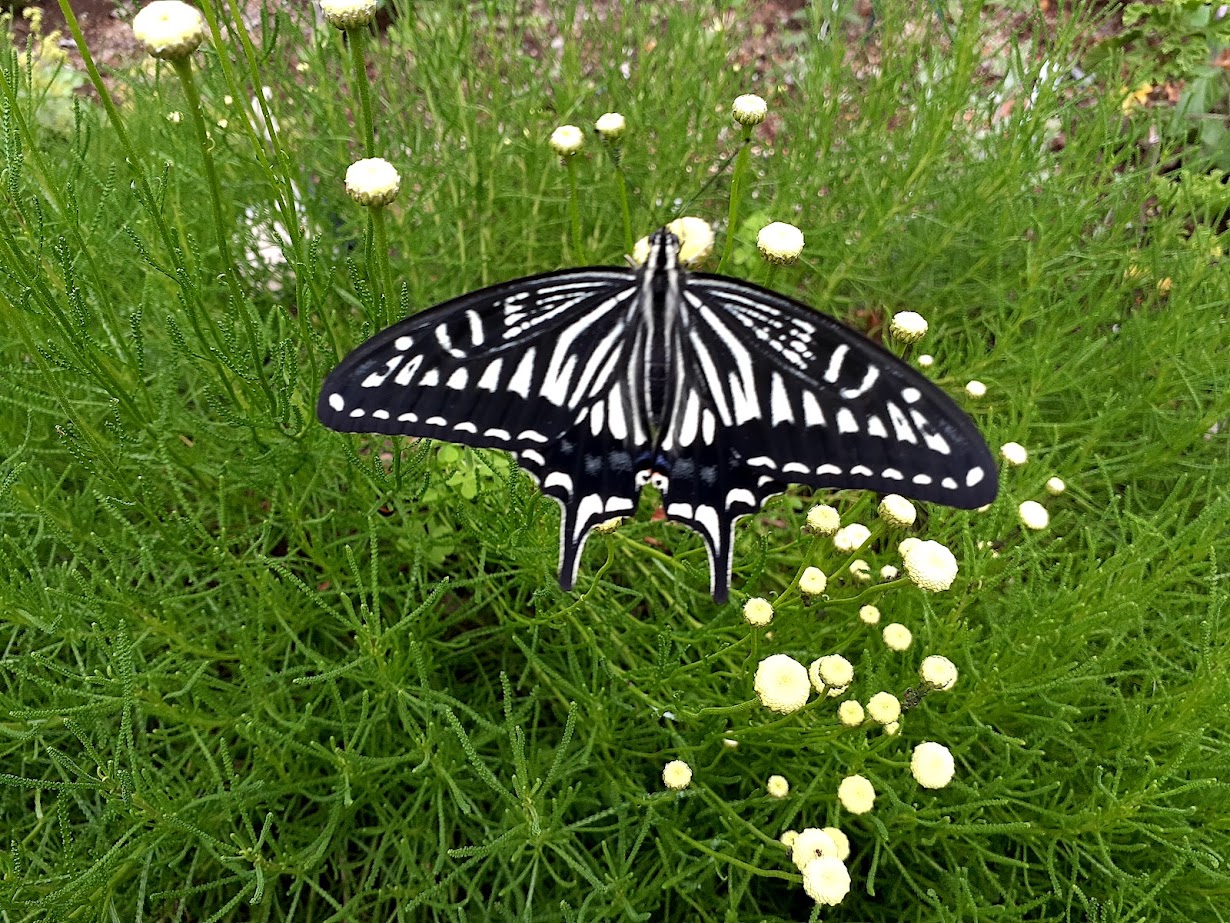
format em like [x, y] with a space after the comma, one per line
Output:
[716, 391]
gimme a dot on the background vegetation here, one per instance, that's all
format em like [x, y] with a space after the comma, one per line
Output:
[256, 670]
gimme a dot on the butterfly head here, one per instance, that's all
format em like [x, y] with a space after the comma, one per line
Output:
[663, 251]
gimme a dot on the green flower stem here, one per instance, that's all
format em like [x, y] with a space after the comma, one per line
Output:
[357, 38]
[151, 205]
[736, 188]
[573, 209]
[380, 243]
[622, 185]
[183, 69]
[768, 279]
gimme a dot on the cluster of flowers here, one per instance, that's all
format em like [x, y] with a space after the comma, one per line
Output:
[779, 243]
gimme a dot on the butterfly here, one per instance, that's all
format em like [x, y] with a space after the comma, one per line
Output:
[718, 392]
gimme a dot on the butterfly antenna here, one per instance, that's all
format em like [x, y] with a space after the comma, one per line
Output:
[708, 184]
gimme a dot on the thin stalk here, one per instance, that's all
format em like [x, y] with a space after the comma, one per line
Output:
[629, 242]
[381, 246]
[183, 69]
[357, 39]
[736, 189]
[573, 209]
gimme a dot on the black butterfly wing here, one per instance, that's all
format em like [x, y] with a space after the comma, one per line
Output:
[532, 366]
[775, 393]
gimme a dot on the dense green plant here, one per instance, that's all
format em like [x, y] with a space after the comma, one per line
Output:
[253, 669]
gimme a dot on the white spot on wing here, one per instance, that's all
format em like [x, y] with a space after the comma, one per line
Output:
[691, 420]
[949, 483]
[868, 380]
[795, 468]
[616, 422]
[862, 470]
[533, 456]
[497, 433]
[408, 370]
[707, 517]
[595, 419]
[465, 427]
[532, 435]
[892, 474]
[846, 422]
[828, 469]
[779, 402]
[491, 376]
[558, 477]
[408, 418]
[875, 427]
[337, 402]
[974, 477]
[910, 395]
[708, 426]
[813, 414]
[380, 414]
[762, 461]
[901, 426]
[923, 479]
[520, 382]
[430, 378]
[476, 327]
[679, 510]
[457, 381]
[833, 372]
[436, 421]
[358, 412]
[401, 344]
[740, 495]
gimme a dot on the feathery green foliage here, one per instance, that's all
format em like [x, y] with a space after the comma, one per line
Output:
[256, 670]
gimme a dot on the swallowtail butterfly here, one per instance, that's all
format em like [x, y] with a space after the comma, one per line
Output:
[716, 391]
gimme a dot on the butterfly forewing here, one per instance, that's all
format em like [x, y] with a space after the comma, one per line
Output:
[718, 391]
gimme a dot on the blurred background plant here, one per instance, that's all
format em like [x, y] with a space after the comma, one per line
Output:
[256, 670]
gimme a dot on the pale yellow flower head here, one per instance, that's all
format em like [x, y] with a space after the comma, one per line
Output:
[851, 713]
[1055, 486]
[938, 673]
[1033, 515]
[611, 126]
[695, 241]
[780, 242]
[777, 787]
[932, 765]
[1013, 453]
[856, 794]
[826, 881]
[823, 520]
[888, 572]
[348, 14]
[896, 510]
[169, 29]
[860, 570]
[869, 614]
[842, 841]
[813, 581]
[832, 674]
[851, 538]
[930, 566]
[758, 611]
[749, 109]
[567, 140]
[811, 844]
[908, 326]
[976, 389]
[884, 707]
[373, 182]
[926, 360]
[782, 684]
[897, 637]
[677, 775]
